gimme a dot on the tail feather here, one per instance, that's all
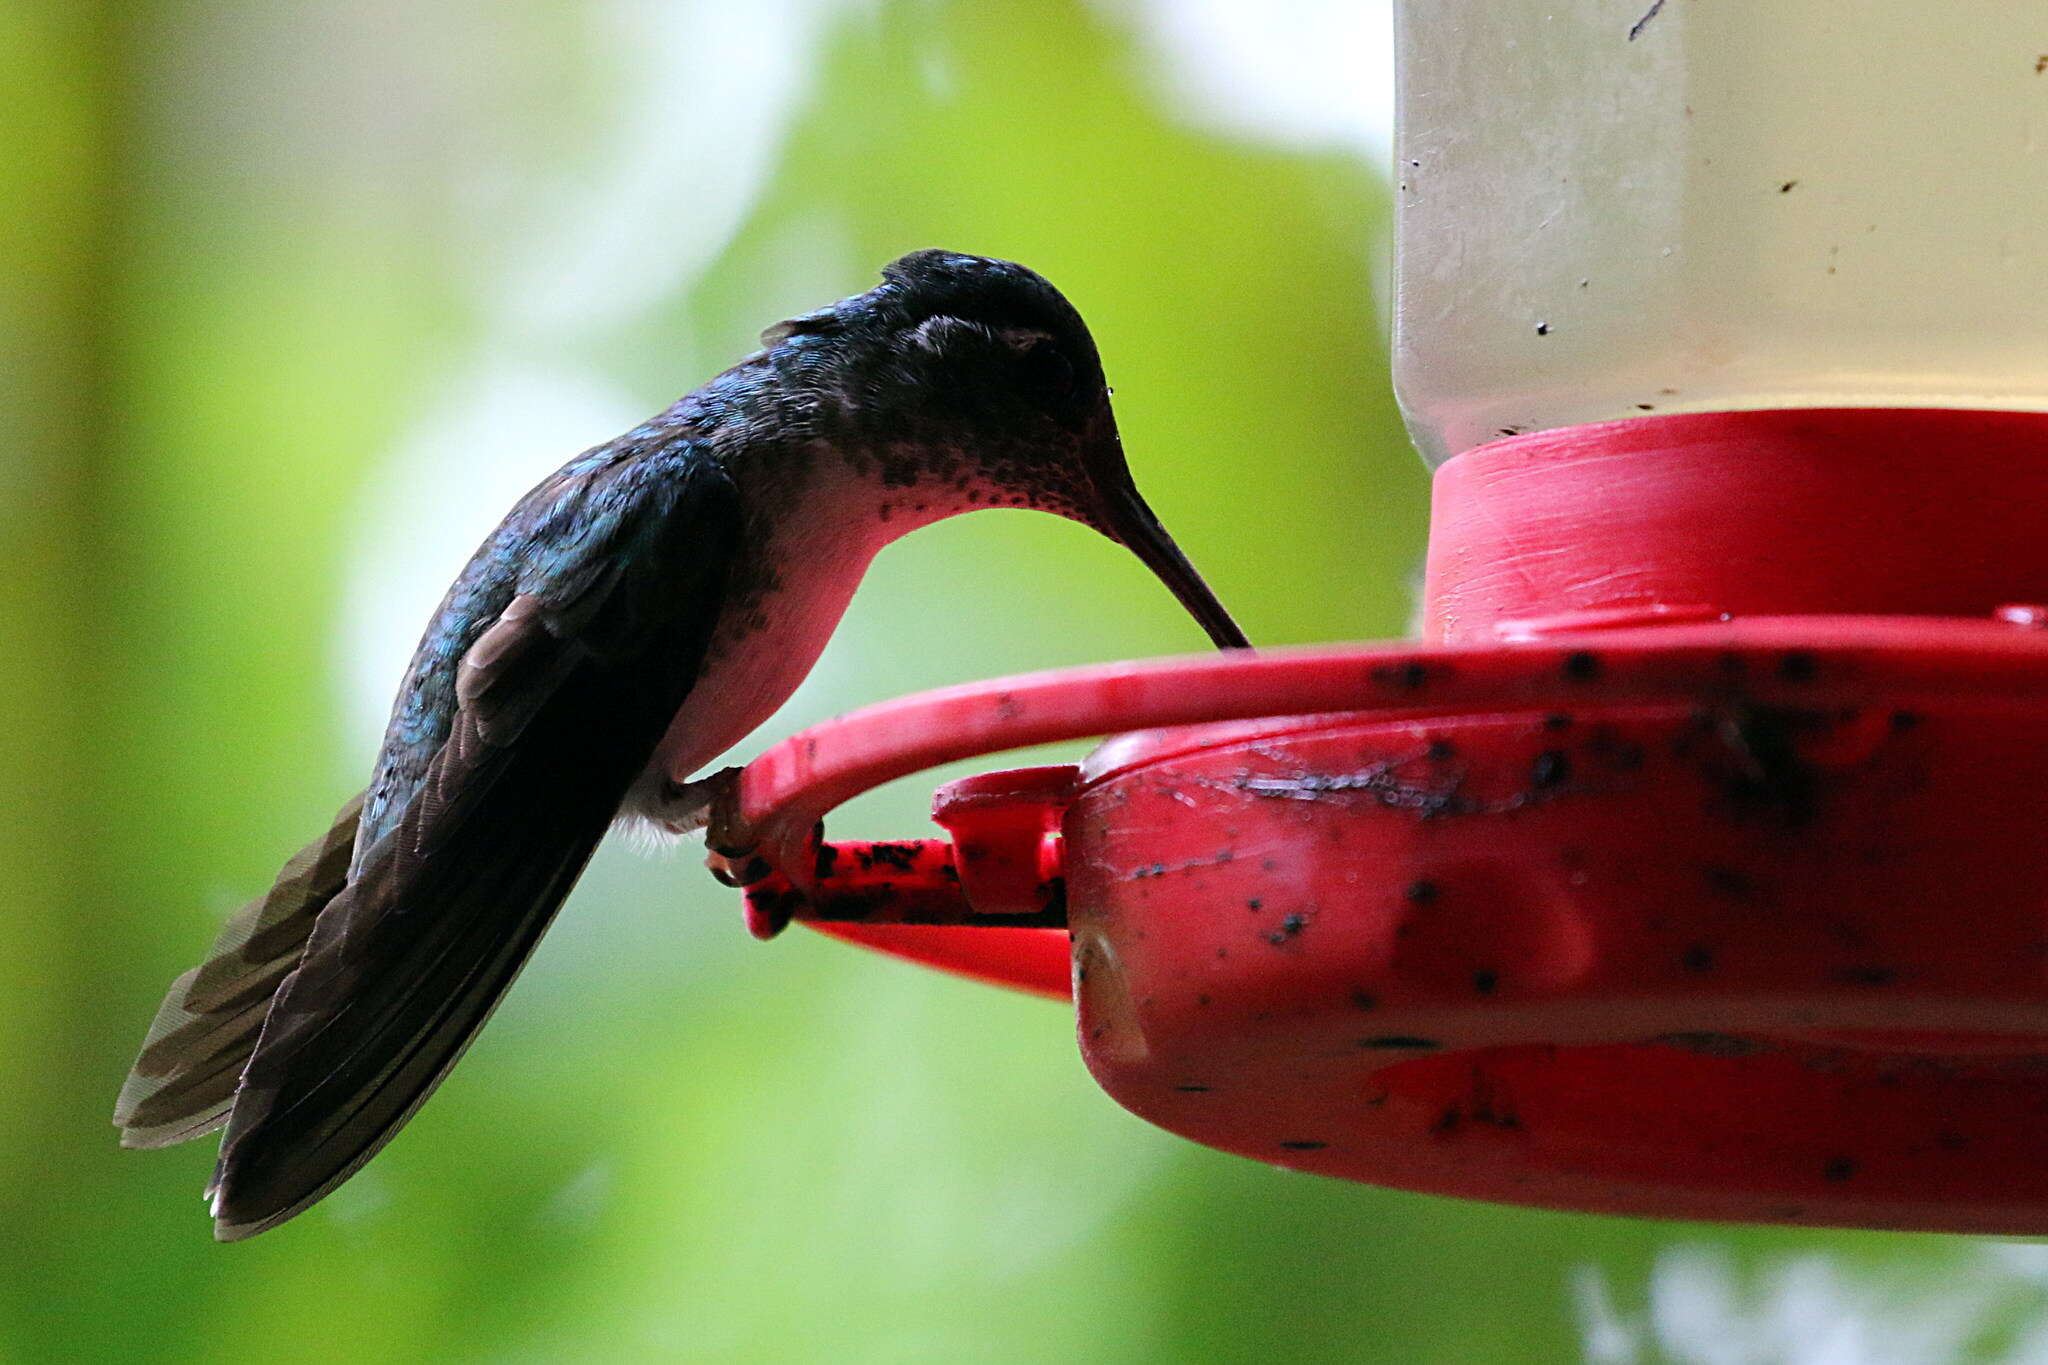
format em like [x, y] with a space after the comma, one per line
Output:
[184, 1081]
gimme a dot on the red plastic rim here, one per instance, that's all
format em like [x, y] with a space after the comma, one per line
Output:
[792, 787]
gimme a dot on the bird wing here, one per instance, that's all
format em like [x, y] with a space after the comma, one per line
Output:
[558, 705]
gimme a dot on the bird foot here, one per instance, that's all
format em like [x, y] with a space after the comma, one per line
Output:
[712, 804]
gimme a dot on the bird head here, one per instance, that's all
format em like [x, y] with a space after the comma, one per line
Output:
[977, 374]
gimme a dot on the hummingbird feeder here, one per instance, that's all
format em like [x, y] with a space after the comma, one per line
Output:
[1691, 863]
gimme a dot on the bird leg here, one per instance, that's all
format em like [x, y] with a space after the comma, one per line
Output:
[686, 807]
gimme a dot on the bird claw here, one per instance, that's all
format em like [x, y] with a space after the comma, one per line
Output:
[712, 804]
[737, 872]
[732, 848]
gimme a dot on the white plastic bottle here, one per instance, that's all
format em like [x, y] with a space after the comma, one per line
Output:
[1611, 208]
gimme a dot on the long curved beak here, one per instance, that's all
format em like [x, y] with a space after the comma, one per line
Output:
[1127, 520]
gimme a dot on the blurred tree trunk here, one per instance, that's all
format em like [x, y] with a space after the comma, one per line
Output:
[56, 66]
[53, 69]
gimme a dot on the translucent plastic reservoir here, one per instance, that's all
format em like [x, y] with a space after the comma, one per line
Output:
[1609, 208]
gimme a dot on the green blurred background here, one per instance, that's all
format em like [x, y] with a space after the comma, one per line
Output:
[298, 297]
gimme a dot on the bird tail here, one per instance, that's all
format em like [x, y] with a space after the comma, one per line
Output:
[184, 1081]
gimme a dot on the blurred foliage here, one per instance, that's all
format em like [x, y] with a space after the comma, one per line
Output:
[250, 246]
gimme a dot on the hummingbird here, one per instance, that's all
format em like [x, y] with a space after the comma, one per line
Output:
[635, 615]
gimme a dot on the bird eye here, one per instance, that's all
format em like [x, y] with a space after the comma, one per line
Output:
[1045, 367]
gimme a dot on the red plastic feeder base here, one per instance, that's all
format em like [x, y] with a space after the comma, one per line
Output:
[1632, 893]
